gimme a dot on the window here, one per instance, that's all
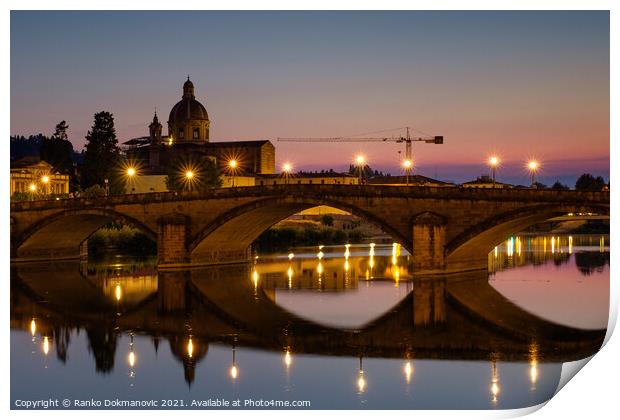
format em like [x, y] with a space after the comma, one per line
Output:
[181, 133]
[196, 133]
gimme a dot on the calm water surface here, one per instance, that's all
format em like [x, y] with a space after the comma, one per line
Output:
[341, 328]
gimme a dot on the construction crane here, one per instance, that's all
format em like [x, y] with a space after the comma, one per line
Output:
[407, 139]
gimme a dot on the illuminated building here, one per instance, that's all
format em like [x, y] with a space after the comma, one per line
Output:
[188, 135]
[27, 172]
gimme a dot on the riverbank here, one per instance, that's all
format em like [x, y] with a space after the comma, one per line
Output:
[119, 239]
[284, 238]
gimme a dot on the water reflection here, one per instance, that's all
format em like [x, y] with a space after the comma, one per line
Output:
[215, 317]
[560, 250]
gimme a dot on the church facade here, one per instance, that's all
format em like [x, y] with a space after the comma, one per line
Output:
[188, 134]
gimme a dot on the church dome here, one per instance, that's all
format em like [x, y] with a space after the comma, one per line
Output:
[188, 109]
[188, 120]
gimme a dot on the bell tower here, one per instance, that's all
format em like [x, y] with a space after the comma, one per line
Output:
[155, 130]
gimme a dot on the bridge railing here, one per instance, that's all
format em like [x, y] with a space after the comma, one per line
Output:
[324, 190]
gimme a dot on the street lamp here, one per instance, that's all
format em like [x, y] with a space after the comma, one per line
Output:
[189, 174]
[360, 161]
[533, 166]
[286, 170]
[407, 164]
[493, 163]
[45, 181]
[33, 189]
[131, 173]
[232, 165]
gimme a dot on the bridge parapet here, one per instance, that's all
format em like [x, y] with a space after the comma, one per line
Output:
[412, 192]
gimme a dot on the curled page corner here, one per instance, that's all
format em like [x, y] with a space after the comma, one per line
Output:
[569, 370]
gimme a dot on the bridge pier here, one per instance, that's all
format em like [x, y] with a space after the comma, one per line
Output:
[172, 238]
[429, 240]
[429, 301]
[171, 291]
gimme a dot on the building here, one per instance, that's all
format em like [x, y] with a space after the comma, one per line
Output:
[414, 180]
[325, 178]
[188, 134]
[485, 181]
[34, 176]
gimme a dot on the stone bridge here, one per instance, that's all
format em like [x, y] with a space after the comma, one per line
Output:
[445, 229]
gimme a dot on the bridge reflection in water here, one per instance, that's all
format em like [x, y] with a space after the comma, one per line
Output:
[459, 317]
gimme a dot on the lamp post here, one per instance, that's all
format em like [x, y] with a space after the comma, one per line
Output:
[131, 173]
[232, 165]
[33, 189]
[532, 165]
[286, 171]
[45, 181]
[407, 164]
[107, 187]
[360, 161]
[493, 162]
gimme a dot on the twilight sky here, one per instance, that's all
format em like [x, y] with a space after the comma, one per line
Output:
[521, 84]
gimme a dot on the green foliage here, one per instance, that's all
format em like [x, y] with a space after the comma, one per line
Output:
[22, 196]
[27, 196]
[559, 186]
[204, 170]
[60, 133]
[58, 154]
[327, 220]
[121, 238]
[94, 192]
[282, 239]
[102, 157]
[367, 171]
[588, 182]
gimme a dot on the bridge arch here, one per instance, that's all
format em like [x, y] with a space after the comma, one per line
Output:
[473, 245]
[235, 230]
[61, 235]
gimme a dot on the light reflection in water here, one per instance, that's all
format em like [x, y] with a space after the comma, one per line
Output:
[533, 365]
[46, 345]
[190, 348]
[531, 371]
[234, 370]
[408, 369]
[495, 389]
[131, 358]
[361, 379]
[288, 359]
[118, 293]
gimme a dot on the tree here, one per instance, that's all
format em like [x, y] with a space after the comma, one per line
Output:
[192, 173]
[58, 150]
[61, 131]
[102, 157]
[588, 182]
[327, 220]
[559, 186]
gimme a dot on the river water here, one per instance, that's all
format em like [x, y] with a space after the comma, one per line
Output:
[336, 328]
